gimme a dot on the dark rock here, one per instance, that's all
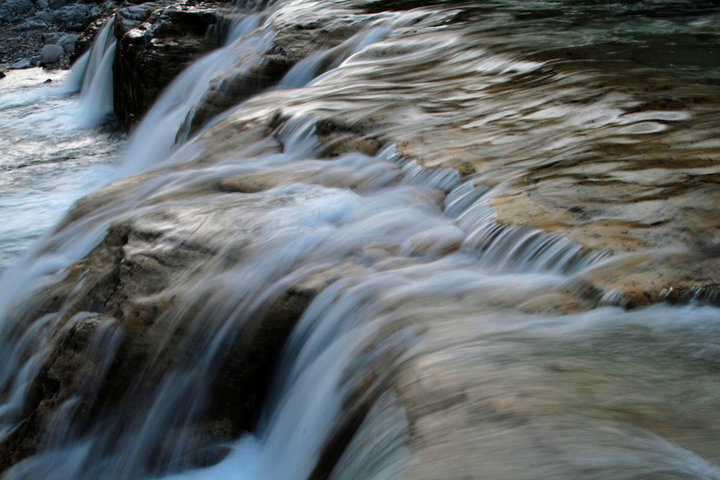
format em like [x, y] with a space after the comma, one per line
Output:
[226, 92]
[74, 17]
[31, 25]
[2, 74]
[55, 4]
[291, 44]
[67, 42]
[51, 54]
[40, 23]
[12, 11]
[153, 51]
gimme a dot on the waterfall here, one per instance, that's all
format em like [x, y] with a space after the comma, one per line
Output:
[94, 68]
[90, 75]
[156, 134]
[306, 70]
[318, 282]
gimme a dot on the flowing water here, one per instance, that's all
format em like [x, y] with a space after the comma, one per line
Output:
[57, 146]
[314, 284]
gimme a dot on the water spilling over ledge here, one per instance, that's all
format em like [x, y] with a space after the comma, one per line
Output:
[374, 240]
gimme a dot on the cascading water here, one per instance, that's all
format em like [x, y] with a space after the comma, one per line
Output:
[56, 145]
[96, 93]
[316, 283]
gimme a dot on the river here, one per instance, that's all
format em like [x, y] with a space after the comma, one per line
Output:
[434, 249]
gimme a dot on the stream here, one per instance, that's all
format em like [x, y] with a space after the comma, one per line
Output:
[317, 282]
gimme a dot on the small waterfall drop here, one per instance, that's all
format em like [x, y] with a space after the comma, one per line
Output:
[308, 69]
[96, 87]
[156, 134]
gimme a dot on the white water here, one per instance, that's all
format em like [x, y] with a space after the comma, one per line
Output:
[155, 136]
[431, 279]
[96, 93]
[55, 147]
[52, 156]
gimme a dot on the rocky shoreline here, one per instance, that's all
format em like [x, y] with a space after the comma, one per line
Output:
[41, 33]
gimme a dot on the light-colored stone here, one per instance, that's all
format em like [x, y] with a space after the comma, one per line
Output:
[20, 64]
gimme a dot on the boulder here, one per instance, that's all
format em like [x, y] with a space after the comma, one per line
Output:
[51, 54]
[145, 294]
[52, 38]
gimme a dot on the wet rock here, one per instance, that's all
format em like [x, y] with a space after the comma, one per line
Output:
[292, 43]
[76, 365]
[149, 286]
[51, 54]
[153, 50]
[650, 277]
